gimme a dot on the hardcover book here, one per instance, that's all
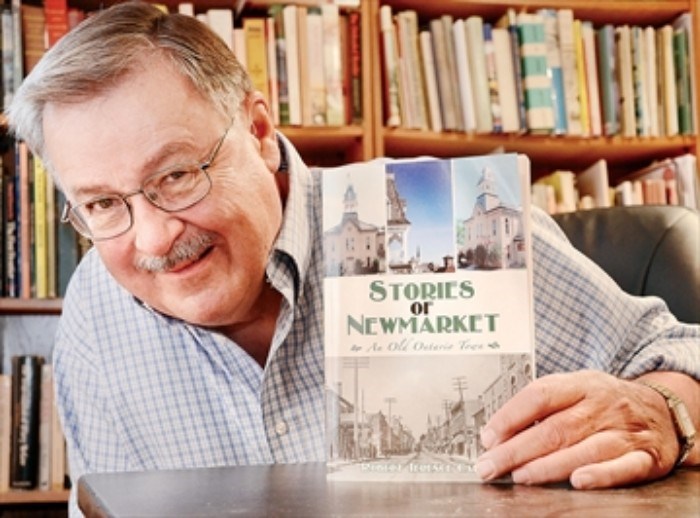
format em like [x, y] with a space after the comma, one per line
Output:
[428, 311]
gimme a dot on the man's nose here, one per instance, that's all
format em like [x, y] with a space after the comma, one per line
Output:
[155, 230]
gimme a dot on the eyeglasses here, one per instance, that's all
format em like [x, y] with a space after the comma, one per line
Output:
[171, 190]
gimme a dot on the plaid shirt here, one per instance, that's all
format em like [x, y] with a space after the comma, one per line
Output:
[138, 390]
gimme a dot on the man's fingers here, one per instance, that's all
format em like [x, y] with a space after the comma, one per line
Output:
[559, 465]
[535, 402]
[631, 468]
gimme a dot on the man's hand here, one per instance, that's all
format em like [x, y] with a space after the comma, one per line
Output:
[589, 427]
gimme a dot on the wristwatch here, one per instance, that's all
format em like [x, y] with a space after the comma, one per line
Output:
[685, 430]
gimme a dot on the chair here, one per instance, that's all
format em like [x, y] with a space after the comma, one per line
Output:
[648, 250]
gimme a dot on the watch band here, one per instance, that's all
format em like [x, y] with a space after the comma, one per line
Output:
[685, 430]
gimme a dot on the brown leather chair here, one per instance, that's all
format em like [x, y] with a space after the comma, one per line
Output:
[648, 250]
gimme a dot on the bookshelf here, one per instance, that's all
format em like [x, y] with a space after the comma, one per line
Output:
[623, 154]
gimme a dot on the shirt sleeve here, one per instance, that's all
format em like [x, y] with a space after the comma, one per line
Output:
[584, 320]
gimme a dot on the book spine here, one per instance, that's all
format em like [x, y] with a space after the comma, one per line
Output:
[26, 391]
[317, 79]
[430, 81]
[41, 270]
[281, 61]
[608, 82]
[273, 84]
[536, 82]
[494, 97]
[256, 53]
[5, 430]
[459, 36]
[565, 20]
[554, 67]
[332, 65]
[391, 68]
[581, 79]
[683, 93]
[289, 13]
[477, 61]
[355, 62]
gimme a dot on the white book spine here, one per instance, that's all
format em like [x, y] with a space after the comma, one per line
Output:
[391, 68]
[426, 45]
[289, 14]
[464, 74]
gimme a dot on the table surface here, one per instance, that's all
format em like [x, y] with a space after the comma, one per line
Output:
[302, 490]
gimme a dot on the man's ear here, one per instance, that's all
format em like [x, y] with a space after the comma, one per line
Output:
[263, 130]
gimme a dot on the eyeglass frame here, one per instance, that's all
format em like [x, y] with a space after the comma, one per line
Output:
[70, 214]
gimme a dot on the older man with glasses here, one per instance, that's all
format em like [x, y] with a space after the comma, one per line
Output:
[192, 335]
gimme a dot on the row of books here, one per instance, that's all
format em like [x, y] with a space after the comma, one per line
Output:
[27, 31]
[673, 181]
[38, 252]
[306, 60]
[539, 72]
[32, 444]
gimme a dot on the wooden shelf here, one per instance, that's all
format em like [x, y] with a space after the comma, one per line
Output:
[13, 306]
[633, 12]
[550, 152]
[34, 496]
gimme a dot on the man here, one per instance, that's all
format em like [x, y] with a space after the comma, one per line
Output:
[192, 332]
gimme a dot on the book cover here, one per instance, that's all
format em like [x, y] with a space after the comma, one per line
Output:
[26, 390]
[422, 346]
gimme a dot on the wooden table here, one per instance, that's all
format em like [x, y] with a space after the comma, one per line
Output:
[302, 491]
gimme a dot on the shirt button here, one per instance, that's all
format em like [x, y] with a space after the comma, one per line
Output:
[281, 428]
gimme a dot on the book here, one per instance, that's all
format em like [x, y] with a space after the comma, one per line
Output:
[681, 57]
[554, 69]
[421, 345]
[354, 58]
[567, 48]
[273, 80]
[593, 182]
[430, 75]
[220, 20]
[581, 79]
[537, 85]
[316, 71]
[332, 65]
[607, 73]
[474, 27]
[506, 80]
[56, 19]
[592, 81]
[464, 78]
[564, 185]
[390, 60]
[33, 29]
[684, 23]
[276, 13]
[5, 430]
[289, 16]
[667, 71]
[26, 390]
[256, 54]
[625, 78]
[492, 80]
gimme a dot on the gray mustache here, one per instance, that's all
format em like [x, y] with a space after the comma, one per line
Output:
[182, 251]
